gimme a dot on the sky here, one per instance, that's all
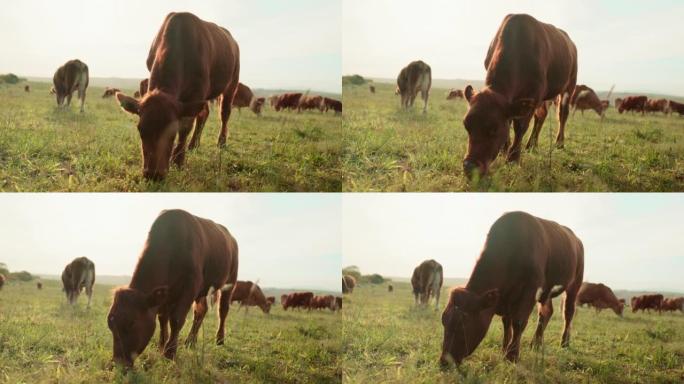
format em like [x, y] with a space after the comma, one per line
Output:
[631, 241]
[284, 240]
[292, 44]
[635, 45]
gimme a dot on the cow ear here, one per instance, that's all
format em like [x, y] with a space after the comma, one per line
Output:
[521, 108]
[191, 109]
[158, 296]
[489, 299]
[468, 92]
[128, 103]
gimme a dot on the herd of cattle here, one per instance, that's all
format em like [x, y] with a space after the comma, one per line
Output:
[525, 261]
[186, 75]
[529, 65]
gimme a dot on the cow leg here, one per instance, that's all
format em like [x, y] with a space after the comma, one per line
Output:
[68, 103]
[519, 129]
[82, 96]
[568, 314]
[563, 112]
[179, 151]
[176, 321]
[507, 331]
[425, 95]
[224, 306]
[163, 329]
[200, 309]
[199, 126]
[89, 292]
[545, 311]
[416, 297]
[539, 119]
[225, 115]
[519, 322]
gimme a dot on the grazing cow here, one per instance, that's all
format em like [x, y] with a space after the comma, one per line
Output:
[348, 284]
[673, 304]
[618, 101]
[71, 76]
[39, 285]
[298, 300]
[413, 78]
[338, 303]
[528, 62]
[372, 88]
[676, 107]
[633, 103]
[27, 88]
[455, 94]
[659, 105]
[525, 260]
[183, 257]
[249, 294]
[427, 281]
[144, 84]
[390, 288]
[333, 104]
[311, 102]
[245, 98]
[287, 101]
[77, 275]
[323, 302]
[2, 280]
[109, 92]
[647, 302]
[599, 296]
[270, 300]
[191, 61]
[585, 98]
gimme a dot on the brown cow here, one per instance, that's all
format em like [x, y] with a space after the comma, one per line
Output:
[583, 98]
[109, 92]
[633, 103]
[455, 94]
[372, 88]
[287, 101]
[525, 260]
[184, 256]
[144, 84]
[77, 275]
[333, 104]
[39, 285]
[270, 300]
[2, 280]
[311, 102]
[191, 62]
[599, 296]
[673, 304]
[283, 297]
[348, 284]
[27, 88]
[413, 78]
[647, 302]
[528, 62]
[659, 105]
[390, 288]
[71, 76]
[245, 98]
[676, 107]
[298, 300]
[618, 101]
[323, 302]
[427, 281]
[249, 294]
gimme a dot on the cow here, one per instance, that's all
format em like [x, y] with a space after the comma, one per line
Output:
[390, 288]
[77, 275]
[109, 92]
[427, 281]
[245, 98]
[333, 104]
[270, 300]
[287, 101]
[371, 87]
[311, 102]
[183, 257]
[283, 297]
[249, 294]
[2, 280]
[298, 300]
[136, 94]
[348, 284]
[70, 77]
[656, 105]
[413, 78]
[525, 260]
[338, 303]
[39, 285]
[527, 62]
[27, 88]
[455, 94]
[273, 100]
[323, 302]
[647, 302]
[633, 103]
[676, 107]
[191, 61]
[144, 84]
[583, 98]
[673, 304]
[599, 296]
[618, 101]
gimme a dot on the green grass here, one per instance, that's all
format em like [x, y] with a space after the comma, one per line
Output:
[387, 149]
[46, 149]
[43, 340]
[388, 339]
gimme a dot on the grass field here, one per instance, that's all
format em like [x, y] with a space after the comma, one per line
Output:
[46, 149]
[387, 149]
[388, 339]
[43, 340]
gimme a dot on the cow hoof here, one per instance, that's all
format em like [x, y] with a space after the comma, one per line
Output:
[219, 342]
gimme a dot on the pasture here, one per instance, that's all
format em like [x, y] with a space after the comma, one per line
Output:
[388, 339]
[387, 149]
[43, 340]
[43, 148]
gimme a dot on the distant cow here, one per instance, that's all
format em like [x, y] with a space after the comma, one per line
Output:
[659, 105]
[245, 98]
[455, 94]
[39, 285]
[323, 302]
[333, 104]
[415, 77]
[525, 260]
[70, 77]
[427, 281]
[270, 300]
[183, 257]
[390, 288]
[249, 294]
[298, 300]
[633, 103]
[527, 63]
[673, 304]
[647, 302]
[311, 102]
[583, 98]
[348, 283]
[599, 296]
[109, 92]
[287, 101]
[27, 88]
[371, 87]
[191, 61]
[2, 280]
[77, 275]
[618, 101]
[676, 107]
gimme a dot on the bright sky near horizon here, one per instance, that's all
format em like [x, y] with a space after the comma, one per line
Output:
[631, 241]
[636, 45]
[285, 240]
[294, 44]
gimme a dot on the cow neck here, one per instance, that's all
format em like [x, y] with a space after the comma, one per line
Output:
[152, 270]
[488, 274]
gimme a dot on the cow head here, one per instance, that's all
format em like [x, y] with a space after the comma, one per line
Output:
[466, 320]
[620, 307]
[487, 123]
[131, 320]
[159, 122]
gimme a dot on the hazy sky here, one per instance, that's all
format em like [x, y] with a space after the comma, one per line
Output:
[631, 241]
[285, 240]
[283, 44]
[636, 45]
